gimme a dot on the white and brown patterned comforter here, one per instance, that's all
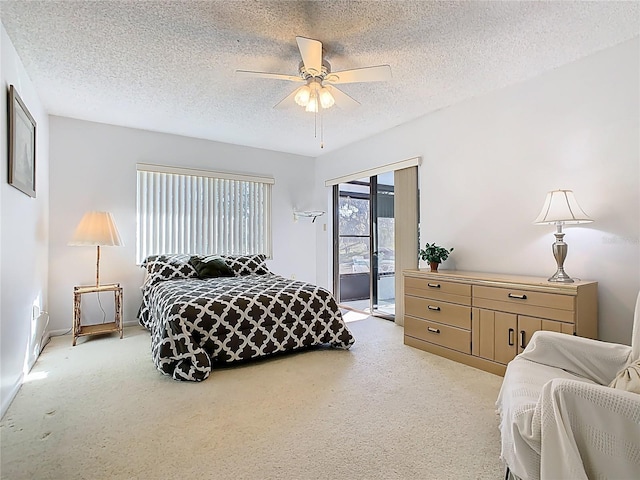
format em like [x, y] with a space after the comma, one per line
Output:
[196, 323]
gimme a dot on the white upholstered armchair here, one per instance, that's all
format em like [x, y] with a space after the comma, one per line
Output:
[560, 419]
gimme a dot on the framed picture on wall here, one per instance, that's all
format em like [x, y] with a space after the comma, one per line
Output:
[22, 145]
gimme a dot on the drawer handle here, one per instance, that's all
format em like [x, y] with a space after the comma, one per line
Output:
[431, 307]
[519, 297]
[433, 285]
[511, 332]
[522, 339]
[433, 330]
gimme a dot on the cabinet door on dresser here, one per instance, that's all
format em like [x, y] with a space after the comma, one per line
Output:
[500, 336]
[528, 325]
[494, 335]
[506, 337]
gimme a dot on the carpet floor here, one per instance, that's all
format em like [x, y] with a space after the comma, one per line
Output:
[381, 410]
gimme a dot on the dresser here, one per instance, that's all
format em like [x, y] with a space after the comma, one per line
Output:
[484, 320]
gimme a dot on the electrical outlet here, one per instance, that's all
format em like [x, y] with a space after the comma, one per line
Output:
[293, 276]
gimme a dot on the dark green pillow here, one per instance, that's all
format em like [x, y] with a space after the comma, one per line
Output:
[212, 268]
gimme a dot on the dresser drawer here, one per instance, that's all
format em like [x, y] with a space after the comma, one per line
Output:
[435, 289]
[525, 297]
[524, 302]
[437, 311]
[433, 332]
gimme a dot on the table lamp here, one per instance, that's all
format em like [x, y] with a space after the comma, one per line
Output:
[561, 208]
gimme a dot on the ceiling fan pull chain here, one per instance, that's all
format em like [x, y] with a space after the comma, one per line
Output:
[315, 124]
[321, 130]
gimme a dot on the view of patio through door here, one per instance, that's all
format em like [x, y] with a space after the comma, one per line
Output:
[364, 259]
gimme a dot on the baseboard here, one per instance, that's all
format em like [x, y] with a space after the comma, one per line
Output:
[6, 403]
[45, 340]
[57, 333]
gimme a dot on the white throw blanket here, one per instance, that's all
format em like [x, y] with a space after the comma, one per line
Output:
[628, 379]
[586, 431]
[559, 421]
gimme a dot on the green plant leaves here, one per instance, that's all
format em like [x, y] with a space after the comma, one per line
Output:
[434, 253]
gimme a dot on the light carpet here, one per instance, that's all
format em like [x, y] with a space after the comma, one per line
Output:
[381, 410]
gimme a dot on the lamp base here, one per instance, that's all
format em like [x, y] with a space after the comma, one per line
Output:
[561, 277]
[560, 253]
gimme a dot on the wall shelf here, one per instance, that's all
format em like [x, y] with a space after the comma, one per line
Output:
[313, 214]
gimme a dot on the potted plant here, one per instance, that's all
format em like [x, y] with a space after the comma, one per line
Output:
[434, 254]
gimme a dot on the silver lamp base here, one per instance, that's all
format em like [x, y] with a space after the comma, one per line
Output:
[560, 253]
[561, 277]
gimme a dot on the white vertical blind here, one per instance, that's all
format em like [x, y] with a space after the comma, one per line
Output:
[183, 211]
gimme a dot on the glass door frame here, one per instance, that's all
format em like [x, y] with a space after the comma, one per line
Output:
[337, 237]
[373, 243]
[373, 246]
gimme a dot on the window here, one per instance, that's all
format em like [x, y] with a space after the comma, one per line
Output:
[194, 211]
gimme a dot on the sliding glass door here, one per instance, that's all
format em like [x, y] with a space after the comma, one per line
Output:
[352, 243]
[364, 257]
[384, 275]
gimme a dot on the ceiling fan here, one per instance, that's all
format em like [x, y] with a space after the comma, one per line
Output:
[319, 91]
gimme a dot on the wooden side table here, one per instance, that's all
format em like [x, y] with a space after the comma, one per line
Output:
[116, 326]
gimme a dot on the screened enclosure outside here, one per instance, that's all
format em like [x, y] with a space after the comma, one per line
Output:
[365, 220]
[354, 234]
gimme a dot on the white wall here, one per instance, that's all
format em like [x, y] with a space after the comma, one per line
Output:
[488, 163]
[93, 167]
[24, 233]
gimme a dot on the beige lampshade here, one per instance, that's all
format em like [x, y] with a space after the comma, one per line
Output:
[561, 206]
[96, 229]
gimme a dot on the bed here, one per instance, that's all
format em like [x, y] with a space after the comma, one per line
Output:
[208, 310]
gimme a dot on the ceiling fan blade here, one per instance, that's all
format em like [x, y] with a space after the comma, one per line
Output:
[379, 73]
[288, 101]
[311, 53]
[343, 100]
[275, 76]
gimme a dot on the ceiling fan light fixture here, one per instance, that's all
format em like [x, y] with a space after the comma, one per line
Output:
[312, 106]
[303, 95]
[326, 99]
[314, 97]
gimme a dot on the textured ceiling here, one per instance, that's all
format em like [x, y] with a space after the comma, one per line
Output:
[170, 66]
